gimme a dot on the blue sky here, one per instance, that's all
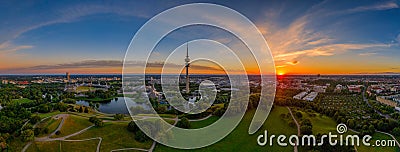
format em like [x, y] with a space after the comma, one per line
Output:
[344, 37]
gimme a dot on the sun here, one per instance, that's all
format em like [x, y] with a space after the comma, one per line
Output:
[281, 73]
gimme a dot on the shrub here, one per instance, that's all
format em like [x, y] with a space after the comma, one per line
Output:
[184, 123]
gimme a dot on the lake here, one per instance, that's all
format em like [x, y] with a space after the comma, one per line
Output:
[114, 106]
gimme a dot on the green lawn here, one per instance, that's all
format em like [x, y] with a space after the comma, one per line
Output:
[160, 115]
[50, 123]
[80, 146]
[22, 100]
[44, 115]
[240, 140]
[203, 123]
[16, 145]
[115, 136]
[321, 123]
[85, 89]
[75, 146]
[73, 124]
[51, 146]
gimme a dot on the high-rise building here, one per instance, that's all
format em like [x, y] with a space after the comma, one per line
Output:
[187, 60]
[68, 76]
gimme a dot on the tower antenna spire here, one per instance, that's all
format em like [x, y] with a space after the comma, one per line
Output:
[187, 61]
[187, 49]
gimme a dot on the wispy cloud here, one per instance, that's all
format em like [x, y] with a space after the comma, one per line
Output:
[376, 7]
[298, 39]
[76, 12]
[368, 54]
[398, 38]
[7, 47]
[293, 62]
[94, 64]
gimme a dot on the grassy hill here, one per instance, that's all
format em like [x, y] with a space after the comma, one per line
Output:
[240, 140]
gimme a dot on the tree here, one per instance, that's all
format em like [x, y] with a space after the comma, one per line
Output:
[371, 129]
[299, 115]
[62, 107]
[27, 135]
[306, 122]
[35, 119]
[93, 119]
[306, 127]
[80, 109]
[306, 130]
[86, 110]
[350, 123]
[219, 112]
[140, 136]
[118, 116]
[99, 123]
[69, 100]
[396, 131]
[184, 123]
[132, 127]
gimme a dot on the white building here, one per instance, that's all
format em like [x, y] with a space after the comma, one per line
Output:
[311, 96]
[319, 88]
[300, 95]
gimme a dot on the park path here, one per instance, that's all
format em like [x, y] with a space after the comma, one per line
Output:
[62, 116]
[298, 127]
[65, 138]
[47, 138]
[201, 119]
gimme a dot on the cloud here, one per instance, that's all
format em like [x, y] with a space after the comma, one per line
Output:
[8, 47]
[93, 64]
[367, 54]
[76, 12]
[375, 7]
[293, 62]
[328, 50]
[398, 38]
[299, 39]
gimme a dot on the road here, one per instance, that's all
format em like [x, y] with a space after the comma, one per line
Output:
[298, 127]
[369, 105]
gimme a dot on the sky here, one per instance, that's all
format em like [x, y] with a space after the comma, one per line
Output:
[304, 37]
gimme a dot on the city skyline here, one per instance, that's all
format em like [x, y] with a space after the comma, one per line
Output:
[310, 37]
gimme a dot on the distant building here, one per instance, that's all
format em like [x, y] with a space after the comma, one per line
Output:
[392, 100]
[300, 95]
[68, 77]
[319, 88]
[311, 96]
[338, 88]
[355, 88]
[4, 81]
